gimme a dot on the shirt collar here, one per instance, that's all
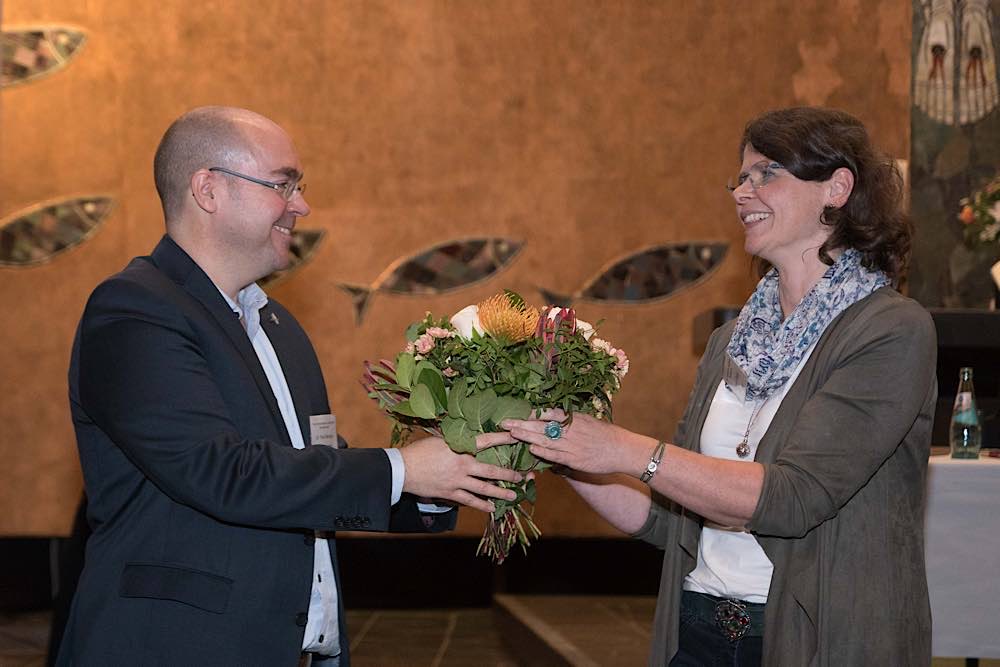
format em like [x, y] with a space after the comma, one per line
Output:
[247, 306]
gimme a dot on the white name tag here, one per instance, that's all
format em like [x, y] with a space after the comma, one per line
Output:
[323, 430]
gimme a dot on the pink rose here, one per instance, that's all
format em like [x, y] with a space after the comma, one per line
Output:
[409, 349]
[449, 372]
[439, 332]
[424, 344]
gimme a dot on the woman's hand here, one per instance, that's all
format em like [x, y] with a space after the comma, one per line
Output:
[587, 444]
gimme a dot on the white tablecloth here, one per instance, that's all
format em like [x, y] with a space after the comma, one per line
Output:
[963, 556]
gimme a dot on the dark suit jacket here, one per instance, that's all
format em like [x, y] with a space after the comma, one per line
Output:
[202, 511]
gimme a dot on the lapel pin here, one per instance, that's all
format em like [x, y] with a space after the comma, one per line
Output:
[274, 319]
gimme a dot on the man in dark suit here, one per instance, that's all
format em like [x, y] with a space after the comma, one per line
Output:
[205, 436]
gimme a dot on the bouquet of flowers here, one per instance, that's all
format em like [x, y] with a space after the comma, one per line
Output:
[499, 359]
[981, 216]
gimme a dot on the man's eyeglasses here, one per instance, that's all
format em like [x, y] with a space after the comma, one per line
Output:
[286, 189]
[759, 175]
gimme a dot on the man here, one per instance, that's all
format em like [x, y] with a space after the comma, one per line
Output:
[195, 400]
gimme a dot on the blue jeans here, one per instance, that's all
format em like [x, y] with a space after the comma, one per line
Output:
[702, 644]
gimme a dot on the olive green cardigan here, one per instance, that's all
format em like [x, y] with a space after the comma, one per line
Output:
[841, 511]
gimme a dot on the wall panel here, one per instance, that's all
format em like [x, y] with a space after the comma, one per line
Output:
[588, 130]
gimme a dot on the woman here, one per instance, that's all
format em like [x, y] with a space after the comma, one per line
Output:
[790, 502]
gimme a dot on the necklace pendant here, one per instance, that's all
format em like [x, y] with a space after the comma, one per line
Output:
[743, 450]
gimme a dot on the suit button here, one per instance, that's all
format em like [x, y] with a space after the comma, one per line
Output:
[309, 539]
[339, 522]
[301, 618]
[367, 522]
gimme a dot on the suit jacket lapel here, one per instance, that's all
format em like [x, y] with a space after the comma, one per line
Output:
[175, 263]
[286, 350]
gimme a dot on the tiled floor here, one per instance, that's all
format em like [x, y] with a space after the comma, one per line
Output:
[435, 638]
[447, 638]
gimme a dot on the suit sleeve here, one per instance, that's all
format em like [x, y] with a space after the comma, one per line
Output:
[146, 384]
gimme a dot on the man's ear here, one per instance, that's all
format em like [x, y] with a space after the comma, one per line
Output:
[839, 187]
[203, 190]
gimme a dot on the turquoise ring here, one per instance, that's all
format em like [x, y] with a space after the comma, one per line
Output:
[553, 430]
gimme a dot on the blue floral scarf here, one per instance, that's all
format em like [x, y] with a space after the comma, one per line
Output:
[767, 350]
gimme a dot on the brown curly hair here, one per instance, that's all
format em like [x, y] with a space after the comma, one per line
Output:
[812, 143]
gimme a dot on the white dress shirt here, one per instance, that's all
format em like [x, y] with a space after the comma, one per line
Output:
[322, 634]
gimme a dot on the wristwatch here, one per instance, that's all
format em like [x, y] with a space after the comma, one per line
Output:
[654, 463]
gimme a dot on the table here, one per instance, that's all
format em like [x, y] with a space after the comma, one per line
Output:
[963, 555]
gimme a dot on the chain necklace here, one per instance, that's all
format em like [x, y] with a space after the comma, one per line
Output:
[743, 449]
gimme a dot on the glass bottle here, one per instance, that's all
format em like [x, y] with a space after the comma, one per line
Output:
[965, 434]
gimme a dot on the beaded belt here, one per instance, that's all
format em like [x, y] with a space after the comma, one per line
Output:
[734, 618]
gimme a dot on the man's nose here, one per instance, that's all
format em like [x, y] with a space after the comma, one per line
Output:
[298, 205]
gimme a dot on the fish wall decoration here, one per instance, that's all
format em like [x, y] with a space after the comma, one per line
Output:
[448, 266]
[303, 246]
[648, 275]
[31, 53]
[37, 234]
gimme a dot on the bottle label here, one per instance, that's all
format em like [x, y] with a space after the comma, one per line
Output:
[965, 411]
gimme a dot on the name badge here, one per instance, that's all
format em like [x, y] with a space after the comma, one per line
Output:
[323, 430]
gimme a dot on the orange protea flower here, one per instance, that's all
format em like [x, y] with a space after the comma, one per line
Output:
[507, 316]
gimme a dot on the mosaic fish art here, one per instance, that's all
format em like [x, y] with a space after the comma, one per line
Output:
[301, 250]
[37, 234]
[649, 275]
[32, 53]
[439, 269]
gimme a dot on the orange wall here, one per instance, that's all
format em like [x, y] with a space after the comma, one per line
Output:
[588, 130]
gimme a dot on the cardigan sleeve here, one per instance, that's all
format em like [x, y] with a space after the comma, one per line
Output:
[883, 373]
[657, 526]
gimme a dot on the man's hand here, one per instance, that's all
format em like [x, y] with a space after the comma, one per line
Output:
[434, 471]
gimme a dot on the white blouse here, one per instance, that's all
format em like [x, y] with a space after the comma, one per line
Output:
[731, 563]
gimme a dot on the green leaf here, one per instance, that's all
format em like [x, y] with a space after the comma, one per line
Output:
[490, 456]
[404, 409]
[455, 396]
[458, 435]
[405, 364]
[434, 381]
[510, 408]
[413, 331]
[422, 402]
[478, 408]
[530, 492]
[525, 459]
[514, 298]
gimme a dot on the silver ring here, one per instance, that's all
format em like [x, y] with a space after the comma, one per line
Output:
[553, 430]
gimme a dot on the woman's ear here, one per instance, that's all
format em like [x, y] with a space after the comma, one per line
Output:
[839, 187]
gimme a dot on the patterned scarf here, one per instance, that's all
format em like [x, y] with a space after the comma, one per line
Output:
[768, 350]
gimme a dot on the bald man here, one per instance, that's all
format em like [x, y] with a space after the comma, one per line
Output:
[213, 479]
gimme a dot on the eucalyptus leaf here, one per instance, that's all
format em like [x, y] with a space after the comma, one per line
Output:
[405, 363]
[525, 459]
[422, 402]
[455, 397]
[404, 408]
[508, 407]
[459, 436]
[434, 381]
[478, 408]
[488, 456]
[530, 492]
